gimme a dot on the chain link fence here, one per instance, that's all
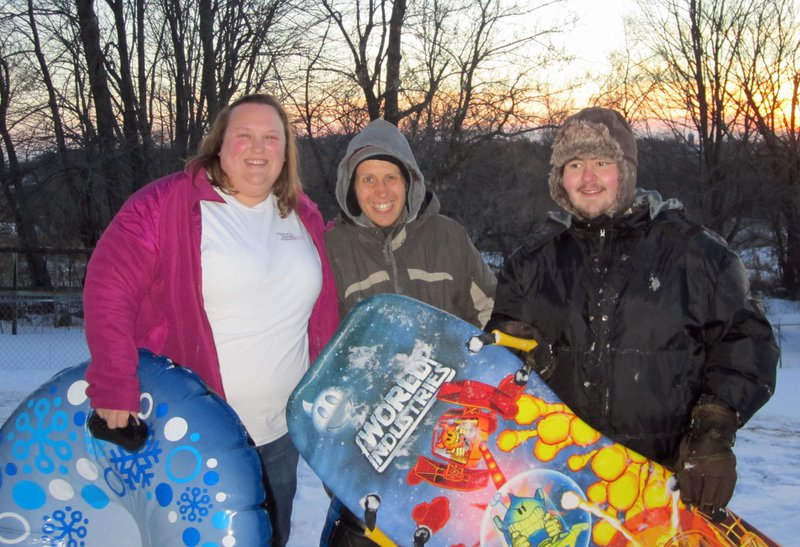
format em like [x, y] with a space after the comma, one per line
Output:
[41, 331]
[788, 337]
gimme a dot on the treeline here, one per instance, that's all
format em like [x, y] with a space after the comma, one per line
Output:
[99, 98]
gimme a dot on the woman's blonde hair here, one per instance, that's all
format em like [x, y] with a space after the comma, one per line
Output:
[207, 157]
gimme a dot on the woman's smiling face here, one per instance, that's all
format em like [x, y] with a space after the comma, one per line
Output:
[253, 151]
[381, 191]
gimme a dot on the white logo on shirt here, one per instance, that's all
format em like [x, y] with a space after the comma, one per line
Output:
[289, 236]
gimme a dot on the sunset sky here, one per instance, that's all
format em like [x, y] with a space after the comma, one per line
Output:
[598, 31]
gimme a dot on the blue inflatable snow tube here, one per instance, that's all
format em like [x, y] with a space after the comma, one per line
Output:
[195, 482]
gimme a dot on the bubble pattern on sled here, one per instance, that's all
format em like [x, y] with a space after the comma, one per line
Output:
[195, 482]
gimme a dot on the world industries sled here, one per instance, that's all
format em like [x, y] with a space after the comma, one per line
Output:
[430, 441]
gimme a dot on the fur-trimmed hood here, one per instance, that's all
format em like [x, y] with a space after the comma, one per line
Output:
[595, 132]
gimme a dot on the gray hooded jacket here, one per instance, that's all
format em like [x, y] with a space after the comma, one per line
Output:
[426, 255]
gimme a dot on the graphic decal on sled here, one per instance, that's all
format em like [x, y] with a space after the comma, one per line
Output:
[429, 440]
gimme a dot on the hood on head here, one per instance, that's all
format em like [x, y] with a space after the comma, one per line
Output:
[598, 132]
[379, 140]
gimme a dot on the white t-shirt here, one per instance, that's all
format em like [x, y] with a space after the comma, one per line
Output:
[261, 278]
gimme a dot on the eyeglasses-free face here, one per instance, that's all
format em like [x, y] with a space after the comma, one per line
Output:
[381, 191]
[592, 185]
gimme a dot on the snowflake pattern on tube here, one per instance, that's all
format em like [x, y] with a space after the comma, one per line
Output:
[196, 481]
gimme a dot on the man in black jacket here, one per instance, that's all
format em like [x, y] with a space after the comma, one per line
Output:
[648, 330]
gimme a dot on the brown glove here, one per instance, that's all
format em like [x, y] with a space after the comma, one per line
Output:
[540, 359]
[706, 464]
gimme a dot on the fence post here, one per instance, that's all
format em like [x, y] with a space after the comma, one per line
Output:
[14, 287]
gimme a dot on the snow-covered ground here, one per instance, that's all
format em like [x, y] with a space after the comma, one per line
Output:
[767, 448]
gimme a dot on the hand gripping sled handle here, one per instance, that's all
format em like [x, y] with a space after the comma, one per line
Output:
[131, 437]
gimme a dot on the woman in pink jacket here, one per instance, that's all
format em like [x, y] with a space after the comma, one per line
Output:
[222, 268]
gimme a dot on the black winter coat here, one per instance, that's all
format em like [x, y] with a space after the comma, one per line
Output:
[645, 313]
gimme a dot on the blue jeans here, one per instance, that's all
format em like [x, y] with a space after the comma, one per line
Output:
[279, 462]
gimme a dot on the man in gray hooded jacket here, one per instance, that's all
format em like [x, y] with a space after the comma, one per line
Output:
[648, 329]
[390, 238]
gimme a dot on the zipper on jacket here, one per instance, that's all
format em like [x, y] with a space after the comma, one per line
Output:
[391, 262]
[604, 328]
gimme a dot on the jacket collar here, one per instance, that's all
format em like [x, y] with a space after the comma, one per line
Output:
[646, 200]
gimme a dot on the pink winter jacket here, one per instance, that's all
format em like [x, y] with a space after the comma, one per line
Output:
[143, 290]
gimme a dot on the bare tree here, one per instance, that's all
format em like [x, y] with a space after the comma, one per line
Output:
[238, 42]
[80, 191]
[127, 87]
[208, 84]
[116, 168]
[370, 33]
[626, 85]
[401, 57]
[11, 182]
[693, 45]
[768, 88]
[452, 74]
[178, 19]
[135, 132]
[491, 86]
